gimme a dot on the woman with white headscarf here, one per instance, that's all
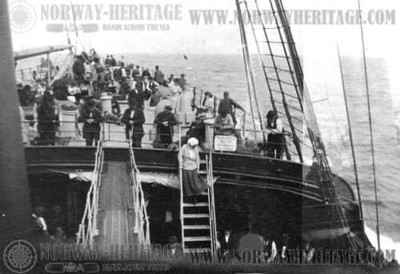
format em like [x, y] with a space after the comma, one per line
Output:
[189, 159]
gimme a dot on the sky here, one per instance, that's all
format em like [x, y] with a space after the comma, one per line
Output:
[316, 43]
[183, 36]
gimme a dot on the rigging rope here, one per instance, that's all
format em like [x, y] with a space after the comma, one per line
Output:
[350, 134]
[248, 63]
[281, 90]
[290, 42]
[318, 147]
[371, 134]
[260, 59]
[244, 46]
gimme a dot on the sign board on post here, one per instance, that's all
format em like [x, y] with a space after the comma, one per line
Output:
[225, 143]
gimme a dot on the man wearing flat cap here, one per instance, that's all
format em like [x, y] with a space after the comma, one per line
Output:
[165, 122]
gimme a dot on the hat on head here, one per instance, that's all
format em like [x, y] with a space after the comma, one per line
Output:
[193, 141]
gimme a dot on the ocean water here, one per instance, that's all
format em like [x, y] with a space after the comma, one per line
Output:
[219, 73]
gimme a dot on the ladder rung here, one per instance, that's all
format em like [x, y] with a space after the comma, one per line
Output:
[282, 42]
[293, 117]
[271, 28]
[270, 42]
[281, 81]
[278, 56]
[196, 227]
[203, 162]
[198, 215]
[197, 239]
[197, 250]
[202, 172]
[195, 205]
[284, 93]
[278, 68]
[290, 106]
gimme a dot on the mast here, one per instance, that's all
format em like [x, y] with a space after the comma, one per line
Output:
[21, 55]
[15, 206]
[248, 70]
[370, 123]
[278, 88]
[291, 46]
[353, 154]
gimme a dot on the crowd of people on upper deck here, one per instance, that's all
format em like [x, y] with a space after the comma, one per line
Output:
[92, 76]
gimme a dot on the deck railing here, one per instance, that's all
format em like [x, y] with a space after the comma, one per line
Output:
[70, 133]
[142, 224]
[88, 228]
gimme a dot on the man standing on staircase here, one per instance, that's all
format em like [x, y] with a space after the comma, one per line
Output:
[189, 160]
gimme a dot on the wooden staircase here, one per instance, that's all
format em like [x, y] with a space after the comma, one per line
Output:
[114, 221]
[198, 226]
[115, 216]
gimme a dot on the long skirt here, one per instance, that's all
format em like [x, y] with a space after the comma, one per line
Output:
[193, 184]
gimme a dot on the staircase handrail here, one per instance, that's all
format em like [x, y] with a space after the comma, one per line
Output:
[181, 183]
[211, 198]
[142, 224]
[88, 226]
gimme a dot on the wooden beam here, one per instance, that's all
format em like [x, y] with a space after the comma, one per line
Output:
[15, 206]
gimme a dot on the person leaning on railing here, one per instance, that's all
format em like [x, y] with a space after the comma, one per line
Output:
[165, 121]
[48, 120]
[134, 120]
[275, 145]
[91, 118]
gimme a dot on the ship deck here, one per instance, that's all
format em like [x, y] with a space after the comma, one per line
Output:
[231, 168]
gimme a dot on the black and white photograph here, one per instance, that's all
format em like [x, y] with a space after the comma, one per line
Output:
[182, 136]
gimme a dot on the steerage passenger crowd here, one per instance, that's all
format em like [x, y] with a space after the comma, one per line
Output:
[91, 77]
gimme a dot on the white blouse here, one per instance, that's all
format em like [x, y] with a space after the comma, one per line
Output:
[189, 157]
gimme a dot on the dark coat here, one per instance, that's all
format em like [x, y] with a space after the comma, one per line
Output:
[125, 89]
[47, 117]
[159, 76]
[137, 120]
[166, 116]
[227, 106]
[137, 96]
[78, 68]
[226, 245]
[90, 113]
[165, 133]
